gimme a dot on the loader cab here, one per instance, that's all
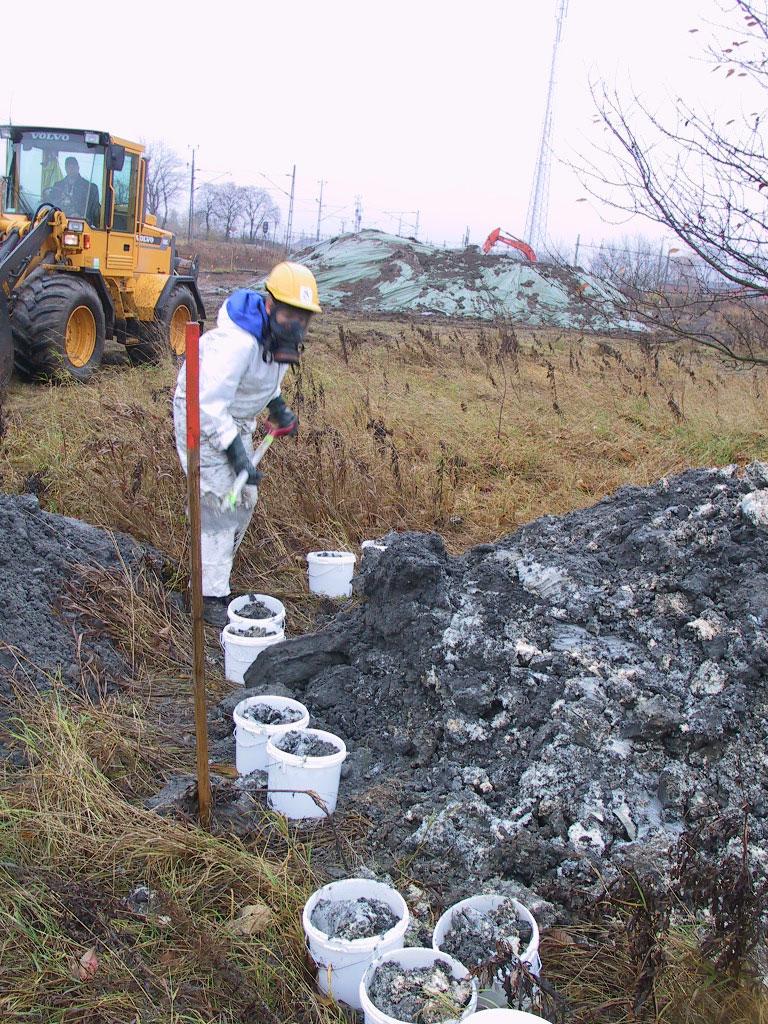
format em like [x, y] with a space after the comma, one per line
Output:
[88, 175]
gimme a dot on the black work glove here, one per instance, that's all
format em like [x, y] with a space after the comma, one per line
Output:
[282, 416]
[239, 461]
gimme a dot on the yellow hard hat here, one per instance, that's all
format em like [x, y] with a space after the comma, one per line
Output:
[295, 285]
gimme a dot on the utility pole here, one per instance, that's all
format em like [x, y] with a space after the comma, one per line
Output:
[319, 210]
[416, 229]
[191, 221]
[576, 251]
[358, 212]
[289, 226]
[465, 239]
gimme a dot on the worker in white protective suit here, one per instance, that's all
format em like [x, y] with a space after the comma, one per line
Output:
[242, 364]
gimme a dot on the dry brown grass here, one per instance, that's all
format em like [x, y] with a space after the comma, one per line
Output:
[404, 427]
[72, 847]
[593, 971]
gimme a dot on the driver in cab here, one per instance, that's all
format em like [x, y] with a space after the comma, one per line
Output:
[76, 196]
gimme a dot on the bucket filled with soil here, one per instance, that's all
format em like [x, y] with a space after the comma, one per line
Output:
[243, 645]
[257, 610]
[417, 986]
[504, 1017]
[330, 572]
[348, 923]
[300, 760]
[258, 718]
[490, 932]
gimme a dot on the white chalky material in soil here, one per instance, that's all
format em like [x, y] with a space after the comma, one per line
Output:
[266, 714]
[342, 961]
[353, 919]
[305, 745]
[421, 995]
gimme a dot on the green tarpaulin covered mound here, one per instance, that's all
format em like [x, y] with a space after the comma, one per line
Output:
[375, 272]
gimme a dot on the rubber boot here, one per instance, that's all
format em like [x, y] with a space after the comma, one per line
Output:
[215, 611]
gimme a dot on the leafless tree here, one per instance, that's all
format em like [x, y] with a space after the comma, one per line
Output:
[633, 263]
[258, 208]
[230, 203]
[206, 208]
[706, 180]
[164, 179]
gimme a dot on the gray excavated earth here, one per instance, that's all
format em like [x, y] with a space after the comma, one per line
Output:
[559, 703]
[39, 555]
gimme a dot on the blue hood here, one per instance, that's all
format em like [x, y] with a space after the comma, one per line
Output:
[247, 310]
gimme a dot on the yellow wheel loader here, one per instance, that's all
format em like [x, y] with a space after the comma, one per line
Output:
[81, 260]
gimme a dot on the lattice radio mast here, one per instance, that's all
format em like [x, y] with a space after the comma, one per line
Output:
[538, 203]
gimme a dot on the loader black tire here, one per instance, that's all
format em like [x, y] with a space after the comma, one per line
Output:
[58, 327]
[6, 356]
[165, 334]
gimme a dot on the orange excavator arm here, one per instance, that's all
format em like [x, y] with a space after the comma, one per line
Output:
[516, 243]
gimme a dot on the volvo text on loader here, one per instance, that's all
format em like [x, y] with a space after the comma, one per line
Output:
[81, 260]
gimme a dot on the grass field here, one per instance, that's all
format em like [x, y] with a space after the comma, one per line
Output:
[464, 430]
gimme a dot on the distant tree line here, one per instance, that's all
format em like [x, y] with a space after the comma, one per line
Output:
[225, 211]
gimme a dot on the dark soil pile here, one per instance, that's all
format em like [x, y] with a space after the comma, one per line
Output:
[39, 556]
[560, 703]
[353, 919]
[424, 995]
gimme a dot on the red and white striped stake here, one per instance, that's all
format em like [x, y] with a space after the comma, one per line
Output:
[192, 338]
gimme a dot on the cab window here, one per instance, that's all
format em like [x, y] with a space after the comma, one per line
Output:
[124, 185]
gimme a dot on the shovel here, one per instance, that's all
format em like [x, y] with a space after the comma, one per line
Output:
[231, 500]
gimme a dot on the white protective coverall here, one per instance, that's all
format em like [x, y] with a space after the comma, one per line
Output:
[235, 386]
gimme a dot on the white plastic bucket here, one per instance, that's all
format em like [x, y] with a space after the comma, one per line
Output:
[274, 621]
[341, 963]
[330, 572]
[410, 958]
[529, 956]
[251, 737]
[291, 772]
[504, 1017]
[240, 652]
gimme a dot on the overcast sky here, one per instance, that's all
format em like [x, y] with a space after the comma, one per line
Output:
[429, 105]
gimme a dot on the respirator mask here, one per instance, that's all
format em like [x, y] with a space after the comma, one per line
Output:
[284, 341]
